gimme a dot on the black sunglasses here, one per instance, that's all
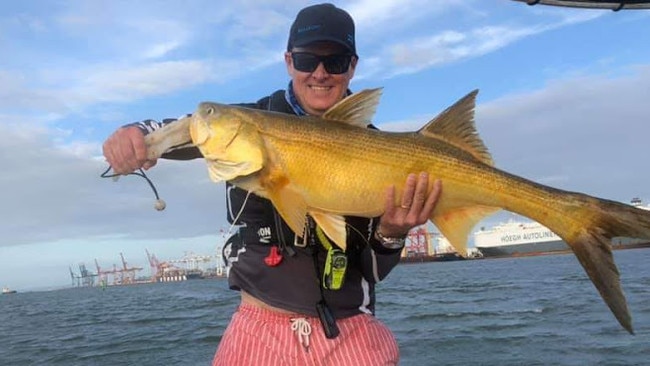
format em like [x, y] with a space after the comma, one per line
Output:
[334, 64]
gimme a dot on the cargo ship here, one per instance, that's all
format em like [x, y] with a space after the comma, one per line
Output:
[521, 238]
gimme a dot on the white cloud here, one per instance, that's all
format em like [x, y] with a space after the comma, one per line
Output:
[446, 46]
[590, 128]
[161, 49]
[449, 46]
[117, 53]
[115, 83]
[55, 193]
[381, 15]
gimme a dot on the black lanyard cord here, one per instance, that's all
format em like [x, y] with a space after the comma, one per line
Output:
[325, 315]
[160, 204]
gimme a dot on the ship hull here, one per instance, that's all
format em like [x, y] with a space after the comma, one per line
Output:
[438, 257]
[551, 247]
[531, 238]
[524, 249]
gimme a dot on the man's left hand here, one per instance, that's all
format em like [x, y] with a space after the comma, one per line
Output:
[415, 208]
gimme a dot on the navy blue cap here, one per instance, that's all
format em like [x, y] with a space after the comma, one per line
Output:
[322, 22]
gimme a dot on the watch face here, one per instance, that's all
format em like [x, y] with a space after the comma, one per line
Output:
[390, 243]
[393, 243]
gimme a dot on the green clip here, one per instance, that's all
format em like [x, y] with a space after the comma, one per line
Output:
[335, 266]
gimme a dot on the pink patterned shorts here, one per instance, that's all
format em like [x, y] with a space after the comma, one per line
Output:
[261, 337]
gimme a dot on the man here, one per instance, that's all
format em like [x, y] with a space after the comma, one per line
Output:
[303, 300]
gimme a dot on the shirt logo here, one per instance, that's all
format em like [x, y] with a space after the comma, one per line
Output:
[264, 233]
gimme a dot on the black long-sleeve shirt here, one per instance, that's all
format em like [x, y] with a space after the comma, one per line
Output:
[294, 284]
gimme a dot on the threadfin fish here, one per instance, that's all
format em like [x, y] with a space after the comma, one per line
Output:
[333, 166]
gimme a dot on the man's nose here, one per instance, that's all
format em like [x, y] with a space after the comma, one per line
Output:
[320, 72]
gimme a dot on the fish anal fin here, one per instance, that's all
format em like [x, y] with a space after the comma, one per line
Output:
[455, 125]
[456, 224]
[333, 226]
[595, 255]
[356, 109]
[292, 208]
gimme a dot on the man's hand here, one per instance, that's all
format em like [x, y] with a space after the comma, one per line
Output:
[126, 151]
[415, 206]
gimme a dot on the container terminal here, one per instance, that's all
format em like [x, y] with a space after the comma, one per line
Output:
[188, 267]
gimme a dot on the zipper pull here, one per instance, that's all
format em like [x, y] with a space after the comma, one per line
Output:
[274, 258]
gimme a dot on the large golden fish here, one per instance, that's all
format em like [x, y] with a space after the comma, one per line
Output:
[333, 165]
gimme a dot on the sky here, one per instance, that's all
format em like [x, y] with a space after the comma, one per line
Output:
[563, 101]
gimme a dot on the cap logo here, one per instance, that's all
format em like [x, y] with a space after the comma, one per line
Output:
[308, 28]
[322, 23]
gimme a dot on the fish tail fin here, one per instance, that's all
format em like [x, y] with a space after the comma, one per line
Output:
[594, 254]
[592, 244]
[623, 220]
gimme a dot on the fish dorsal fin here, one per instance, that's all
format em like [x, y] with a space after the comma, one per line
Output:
[457, 223]
[455, 125]
[333, 226]
[357, 109]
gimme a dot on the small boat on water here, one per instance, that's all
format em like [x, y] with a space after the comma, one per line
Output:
[7, 290]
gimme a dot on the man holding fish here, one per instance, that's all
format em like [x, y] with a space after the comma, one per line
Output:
[304, 299]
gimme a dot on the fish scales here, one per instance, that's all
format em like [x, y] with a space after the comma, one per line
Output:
[333, 165]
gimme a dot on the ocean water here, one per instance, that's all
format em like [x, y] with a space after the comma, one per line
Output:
[516, 311]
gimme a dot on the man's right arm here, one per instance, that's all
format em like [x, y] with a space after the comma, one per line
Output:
[126, 151]
[149, 125]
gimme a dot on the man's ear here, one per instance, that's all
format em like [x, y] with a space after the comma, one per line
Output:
[353, 66]
[289, 63]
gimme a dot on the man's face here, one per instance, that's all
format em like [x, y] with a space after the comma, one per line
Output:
[319, 90]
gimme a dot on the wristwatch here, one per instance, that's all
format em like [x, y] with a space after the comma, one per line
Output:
[390, 243]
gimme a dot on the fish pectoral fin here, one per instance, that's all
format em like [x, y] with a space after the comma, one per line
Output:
[357, 109]
[333, 226]
[456, 224]
[595, 255]
[292, 207]
[225, 170]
